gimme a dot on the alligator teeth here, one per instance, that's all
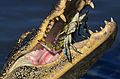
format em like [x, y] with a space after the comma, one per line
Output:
[51, 24]
[90, 31]
[76, 17]
[105, 22]
[57, 18]
[63, 17]
[96, 30]
[112, 19]
[92, 5]
[101, 28]
[42, 39]
[45, 35]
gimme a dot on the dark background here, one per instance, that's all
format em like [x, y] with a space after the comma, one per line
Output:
[18, 16]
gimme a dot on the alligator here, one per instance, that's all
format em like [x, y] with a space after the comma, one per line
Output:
[36, 56]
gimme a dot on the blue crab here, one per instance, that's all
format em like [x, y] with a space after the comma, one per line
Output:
[69, 29]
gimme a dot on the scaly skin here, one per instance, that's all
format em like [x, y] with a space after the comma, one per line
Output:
[18, 67]
[91, 48]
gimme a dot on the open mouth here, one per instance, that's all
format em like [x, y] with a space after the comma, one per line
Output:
[47, 48]
[44, 59]
[42, 54]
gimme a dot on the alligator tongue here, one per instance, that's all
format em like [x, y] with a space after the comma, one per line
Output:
[41, 56]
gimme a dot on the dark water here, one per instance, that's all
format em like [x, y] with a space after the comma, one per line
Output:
[18, 16]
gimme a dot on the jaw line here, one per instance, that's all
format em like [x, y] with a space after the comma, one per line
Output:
[85, 47]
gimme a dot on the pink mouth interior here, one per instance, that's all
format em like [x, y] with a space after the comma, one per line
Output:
[41, 56]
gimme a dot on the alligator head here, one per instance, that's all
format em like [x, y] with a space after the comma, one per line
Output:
[30, 59]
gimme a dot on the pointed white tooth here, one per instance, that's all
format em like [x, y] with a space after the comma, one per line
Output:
[96, 30]
[47, 30]
[63, 17]
[112, 19]
[45, 35]
[101, 28]
[90, 31]
[92, 5]
[57, 18]
[43, 39]
[105, 22]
